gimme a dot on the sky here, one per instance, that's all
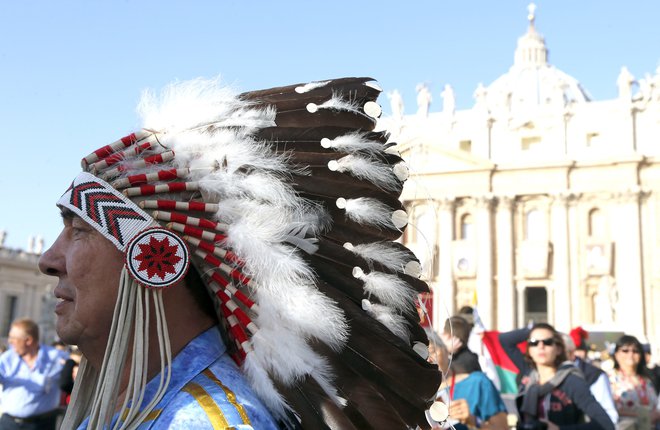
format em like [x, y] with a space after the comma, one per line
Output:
[71, 72]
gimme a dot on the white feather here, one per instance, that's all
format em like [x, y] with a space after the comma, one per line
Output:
[286, 284]
[287, 357]
[336, 102]
[384, 253]
[196, 103]
[366, 210]
[353, 142]
[379, 174]
[263, 386]
[394, 322]
[310, 86]
[389, 289]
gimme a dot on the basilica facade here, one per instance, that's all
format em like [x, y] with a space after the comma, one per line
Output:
[538, 203]
[25, 292]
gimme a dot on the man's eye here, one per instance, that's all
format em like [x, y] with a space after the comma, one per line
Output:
[78, 229]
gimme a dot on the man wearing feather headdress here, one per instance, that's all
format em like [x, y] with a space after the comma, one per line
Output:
[232, 264]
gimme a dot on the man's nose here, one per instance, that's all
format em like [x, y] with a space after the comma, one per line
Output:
[51, 262]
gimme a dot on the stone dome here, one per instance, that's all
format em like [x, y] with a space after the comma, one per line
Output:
[532, 83]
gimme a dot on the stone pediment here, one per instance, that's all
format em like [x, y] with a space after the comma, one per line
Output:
[423, 157]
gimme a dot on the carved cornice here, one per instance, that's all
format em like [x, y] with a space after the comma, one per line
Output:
[485, 201]
[567, 198]
[506, 202]
[446, 202]
[634, 194]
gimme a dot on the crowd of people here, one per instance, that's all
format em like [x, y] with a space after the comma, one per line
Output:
[558, 384]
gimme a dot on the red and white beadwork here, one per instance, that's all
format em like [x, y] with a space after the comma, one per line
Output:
[157, 258]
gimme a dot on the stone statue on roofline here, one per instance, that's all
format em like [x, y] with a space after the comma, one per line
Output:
[448, 100]
[396, 104]
[424, 100]
[624, 82]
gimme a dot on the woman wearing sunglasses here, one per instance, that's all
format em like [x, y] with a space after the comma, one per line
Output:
[632, 389]
[553, 392]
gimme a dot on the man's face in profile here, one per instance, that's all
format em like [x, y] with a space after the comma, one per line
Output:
[88, 267]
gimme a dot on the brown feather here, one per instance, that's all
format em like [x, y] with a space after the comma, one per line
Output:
[313, 135]
[281, 95]
[324, 118]
[405, 379]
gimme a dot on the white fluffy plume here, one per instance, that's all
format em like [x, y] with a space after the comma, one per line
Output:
[310, 86]
[384, 253]
[366, 210]
[289, 365]
[199, 102]
[353, 142]
[394, 322]
[286, 283]
[389, 289]
[377, 173]
[336, 103]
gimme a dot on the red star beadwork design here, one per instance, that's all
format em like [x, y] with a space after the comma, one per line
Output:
[158, 257]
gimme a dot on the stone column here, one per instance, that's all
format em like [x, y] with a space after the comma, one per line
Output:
[506, 294]
[444, 298]
[573, 306]
[561, 262]
[648, 229]
[629, 306]
[30, 299]
[484, 236]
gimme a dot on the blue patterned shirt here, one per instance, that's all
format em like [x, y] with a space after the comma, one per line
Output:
[206, 391]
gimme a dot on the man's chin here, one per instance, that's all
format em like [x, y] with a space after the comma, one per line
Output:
[65, 331]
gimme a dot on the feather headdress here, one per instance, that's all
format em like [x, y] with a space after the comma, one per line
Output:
[289, 204]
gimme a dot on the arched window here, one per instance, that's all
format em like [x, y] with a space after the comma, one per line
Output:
[467, 227]
[534, 225]
[597, 227]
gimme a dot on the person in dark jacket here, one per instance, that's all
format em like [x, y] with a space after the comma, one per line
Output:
[69, 372]
[554, 393]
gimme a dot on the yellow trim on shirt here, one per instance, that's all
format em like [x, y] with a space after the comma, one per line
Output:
[150, 416]
[213, 412]
[230, 396]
